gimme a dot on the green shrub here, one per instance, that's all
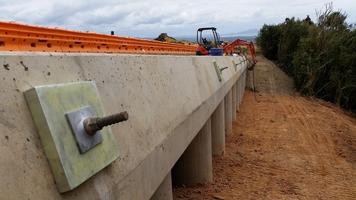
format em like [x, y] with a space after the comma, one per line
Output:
[319, 56]
[291, 32]
[268, 40]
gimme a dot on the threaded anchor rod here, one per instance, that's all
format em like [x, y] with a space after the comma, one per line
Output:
[94, 124]
[222, 69]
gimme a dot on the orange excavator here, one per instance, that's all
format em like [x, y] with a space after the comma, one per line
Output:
[217, 47]
[208, 47]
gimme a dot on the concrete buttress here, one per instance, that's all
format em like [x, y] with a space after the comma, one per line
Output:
[218, 130]
[228, 113]
[195, 165]
[234, 102]
[164, 191]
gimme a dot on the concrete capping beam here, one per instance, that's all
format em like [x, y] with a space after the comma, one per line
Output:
[170, 149]
[169, 99]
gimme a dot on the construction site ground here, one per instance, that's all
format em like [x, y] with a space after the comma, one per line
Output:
[283, 146]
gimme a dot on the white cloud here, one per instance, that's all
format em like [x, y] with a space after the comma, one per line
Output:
[151, 17]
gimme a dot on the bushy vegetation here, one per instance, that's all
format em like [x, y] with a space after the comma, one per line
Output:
[321, 56]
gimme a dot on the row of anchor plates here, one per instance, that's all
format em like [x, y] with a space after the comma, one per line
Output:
[20, 37]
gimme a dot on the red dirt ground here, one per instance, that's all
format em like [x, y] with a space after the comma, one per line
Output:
[283, 146]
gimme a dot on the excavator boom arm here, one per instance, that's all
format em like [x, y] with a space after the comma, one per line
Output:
[229, 48]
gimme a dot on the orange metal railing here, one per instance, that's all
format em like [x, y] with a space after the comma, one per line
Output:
[20, 37]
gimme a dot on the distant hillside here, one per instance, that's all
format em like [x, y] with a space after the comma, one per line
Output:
[232, 38]
[227, 39]
[164, 37]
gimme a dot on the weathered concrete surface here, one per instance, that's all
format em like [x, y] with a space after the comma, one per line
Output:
[218, 130]
[168, 98]
[164, 191]
[196, 164]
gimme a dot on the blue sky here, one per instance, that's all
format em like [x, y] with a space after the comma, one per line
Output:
[148, 18]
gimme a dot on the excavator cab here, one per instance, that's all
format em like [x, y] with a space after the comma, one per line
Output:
[207, 42]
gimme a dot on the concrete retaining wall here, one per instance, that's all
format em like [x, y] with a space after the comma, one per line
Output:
[168, 98]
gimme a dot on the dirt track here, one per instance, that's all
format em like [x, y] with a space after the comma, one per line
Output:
[284, 146]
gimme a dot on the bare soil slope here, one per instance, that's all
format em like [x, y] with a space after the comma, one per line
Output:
[284, 146]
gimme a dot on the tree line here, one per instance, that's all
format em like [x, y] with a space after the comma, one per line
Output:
[320, 56]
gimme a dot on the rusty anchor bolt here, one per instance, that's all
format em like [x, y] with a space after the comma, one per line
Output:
[94, 124]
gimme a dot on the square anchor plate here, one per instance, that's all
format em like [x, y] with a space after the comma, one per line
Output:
[49, 105]
[84, 141]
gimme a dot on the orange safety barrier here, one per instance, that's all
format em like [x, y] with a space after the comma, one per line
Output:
[20, 37]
